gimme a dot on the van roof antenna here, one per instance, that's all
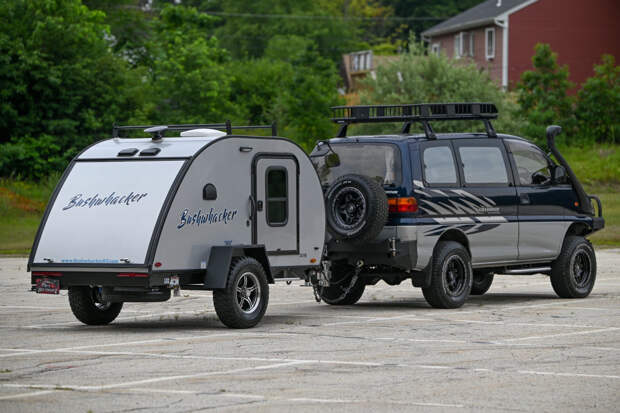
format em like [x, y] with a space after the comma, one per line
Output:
[157, 132]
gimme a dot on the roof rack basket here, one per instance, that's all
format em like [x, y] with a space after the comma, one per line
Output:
[423, 113]
[228, 127]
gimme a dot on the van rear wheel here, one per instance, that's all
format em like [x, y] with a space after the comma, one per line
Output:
[88, 307]
[451, 276]
[341, 292]
[573, 273]
[242, 304]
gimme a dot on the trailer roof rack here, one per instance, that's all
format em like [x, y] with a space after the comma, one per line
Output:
[159, 130]
[423, 113]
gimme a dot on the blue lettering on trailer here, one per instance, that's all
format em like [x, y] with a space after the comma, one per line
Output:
[79, 200]
[211, 217]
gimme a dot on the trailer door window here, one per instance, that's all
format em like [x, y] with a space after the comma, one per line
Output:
[277, 196]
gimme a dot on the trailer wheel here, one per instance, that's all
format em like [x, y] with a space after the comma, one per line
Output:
[356, 208]
[243, 302]
[482, 282]
[451, 276]
[574, 272]
[87, 306]
[341, 292]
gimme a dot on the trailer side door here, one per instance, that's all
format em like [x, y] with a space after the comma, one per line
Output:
[276, 191]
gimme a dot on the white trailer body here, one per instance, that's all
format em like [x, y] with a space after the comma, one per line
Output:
[136, 217]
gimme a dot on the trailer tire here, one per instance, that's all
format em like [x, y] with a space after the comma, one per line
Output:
[356, 208]
[481, 283]
[242, 304]
[451, 276]
[333, 294]
[86, 306]
[573, 273]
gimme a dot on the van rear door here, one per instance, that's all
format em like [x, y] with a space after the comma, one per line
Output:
[105, 213]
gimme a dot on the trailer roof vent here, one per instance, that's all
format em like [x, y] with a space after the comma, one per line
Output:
[202, 133]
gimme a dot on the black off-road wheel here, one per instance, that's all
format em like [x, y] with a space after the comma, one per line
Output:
[341, 292]
[242, 304]
[356, 208]
[451, 276]
[87, 306]
[573, 273]
[481, 283]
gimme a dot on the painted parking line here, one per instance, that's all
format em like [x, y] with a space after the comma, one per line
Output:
[574, 333]
[26, 395]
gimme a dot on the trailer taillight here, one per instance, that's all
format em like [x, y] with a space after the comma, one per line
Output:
[409, 204]
[133, 274]
[46, 274]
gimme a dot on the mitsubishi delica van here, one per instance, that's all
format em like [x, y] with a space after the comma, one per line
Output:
[449, 211]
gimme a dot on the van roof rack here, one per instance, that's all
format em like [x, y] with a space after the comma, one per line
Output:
[423, 113]
[160, 129]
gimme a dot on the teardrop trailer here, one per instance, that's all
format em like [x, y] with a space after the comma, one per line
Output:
[134, 218]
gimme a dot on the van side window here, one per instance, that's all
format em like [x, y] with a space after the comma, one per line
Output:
[439, 167]
[532, 165]
[277, 196]
[483, 165]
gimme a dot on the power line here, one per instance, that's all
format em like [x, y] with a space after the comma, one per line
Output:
[310, 17]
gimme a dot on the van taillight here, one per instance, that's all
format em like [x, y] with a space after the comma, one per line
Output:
[46, 274]
[409, 204]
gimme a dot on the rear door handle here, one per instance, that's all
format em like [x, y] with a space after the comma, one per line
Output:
[524, 199]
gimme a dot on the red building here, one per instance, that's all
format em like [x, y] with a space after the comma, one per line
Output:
[500, 35]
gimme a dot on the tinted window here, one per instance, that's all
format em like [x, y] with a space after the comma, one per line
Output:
[379, 161]
[277, 196]
[529, 161]
[483, 165]
[439, 165]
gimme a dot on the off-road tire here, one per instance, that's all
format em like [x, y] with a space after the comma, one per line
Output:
[226, 300]
[375, 208]
[86, 308]
[481, 283]
[443, 293]
[577, 253]
[333, 294]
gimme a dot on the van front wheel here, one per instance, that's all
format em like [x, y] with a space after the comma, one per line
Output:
[88, 307]
[451, 276]
[243, 302]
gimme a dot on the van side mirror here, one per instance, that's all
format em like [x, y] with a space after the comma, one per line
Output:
[332, 160]
[559, 174]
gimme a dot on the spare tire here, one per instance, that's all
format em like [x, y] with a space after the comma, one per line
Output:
[356, 207]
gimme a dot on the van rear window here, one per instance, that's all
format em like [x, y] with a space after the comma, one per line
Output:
[381, 162]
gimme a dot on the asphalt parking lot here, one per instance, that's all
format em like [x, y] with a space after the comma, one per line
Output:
[517, 348]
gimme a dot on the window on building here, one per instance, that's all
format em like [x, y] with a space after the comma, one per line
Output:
[471, 44]
[490, 42]
[435, 49]
[458, 46]
[361, 61]
[277, 196]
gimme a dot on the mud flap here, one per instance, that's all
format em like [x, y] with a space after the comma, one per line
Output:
[221, 256]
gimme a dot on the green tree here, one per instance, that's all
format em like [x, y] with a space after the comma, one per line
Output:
[543, 95]
[58, 77]
[415, 77]
[188, 79]
[598, 107]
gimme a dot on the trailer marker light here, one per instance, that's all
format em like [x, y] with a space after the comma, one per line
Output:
[133, 274]
[312, 260]
[46, 274]
[158, 264]
[409, 204]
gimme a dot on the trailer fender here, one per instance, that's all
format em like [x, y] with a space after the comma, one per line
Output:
[221, 257]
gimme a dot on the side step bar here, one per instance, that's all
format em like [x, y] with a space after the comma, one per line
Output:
[527, 271]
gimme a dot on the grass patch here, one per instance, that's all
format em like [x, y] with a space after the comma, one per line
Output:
[22, 203]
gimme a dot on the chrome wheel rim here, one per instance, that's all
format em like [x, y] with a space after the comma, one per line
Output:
[349, 207]
[454, 274]
[581, 268]
[248, 292]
